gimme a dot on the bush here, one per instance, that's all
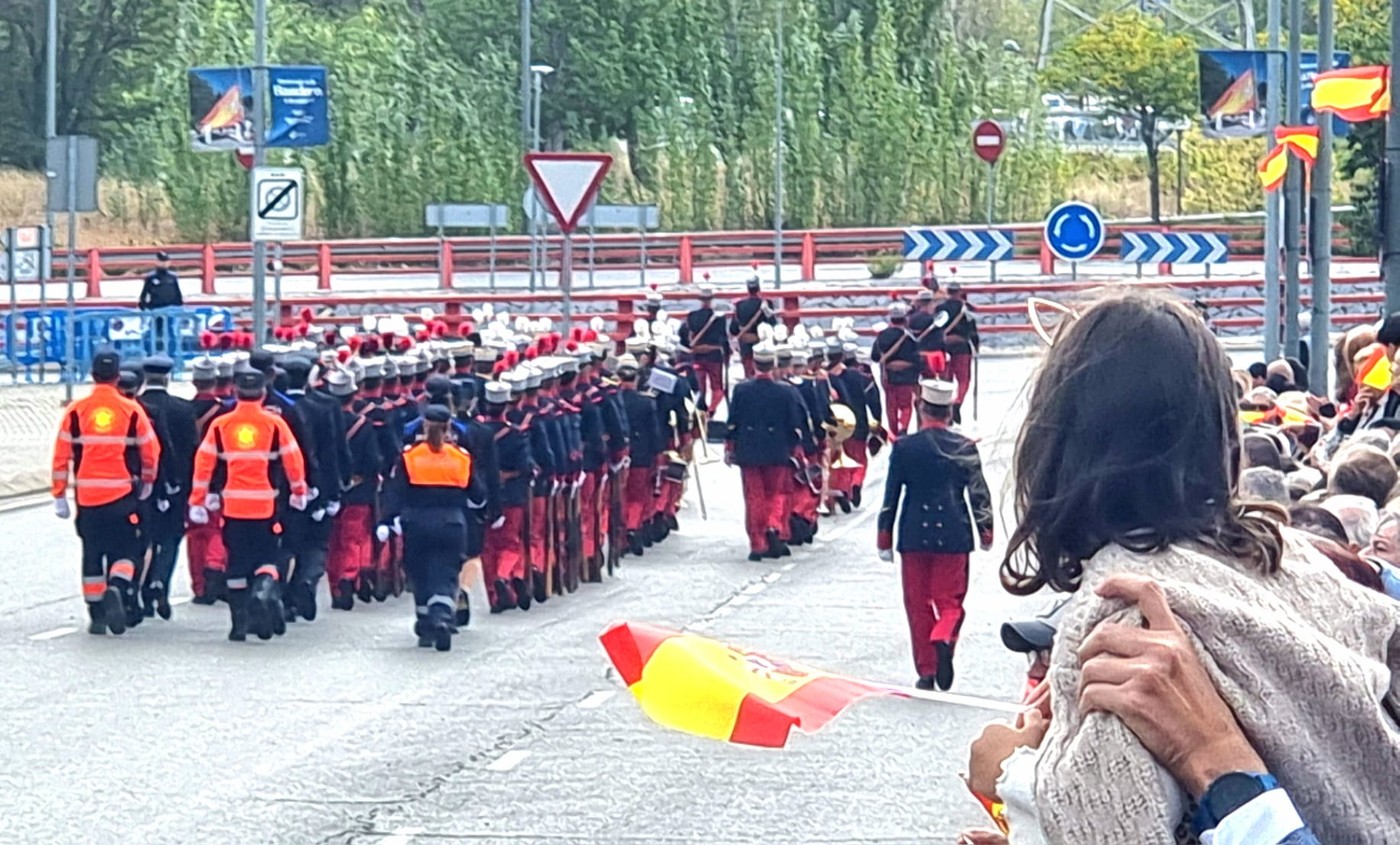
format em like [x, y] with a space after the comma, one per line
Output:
[884, 266]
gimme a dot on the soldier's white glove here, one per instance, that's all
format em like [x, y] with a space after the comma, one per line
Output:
[398, 527]
[500, 521]
[313, 494]
[381, 533]
[887, 555]
[199, 515]
[213, 502]
[162, 505]
[298, 503]
[147, 488]
[171, 489]
[555, 487]
[60, 508]
[318, 514]
[333, 507]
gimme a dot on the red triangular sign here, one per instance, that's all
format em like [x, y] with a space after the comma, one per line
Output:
[567, 183]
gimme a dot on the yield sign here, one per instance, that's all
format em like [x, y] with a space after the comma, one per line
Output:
[567, 182]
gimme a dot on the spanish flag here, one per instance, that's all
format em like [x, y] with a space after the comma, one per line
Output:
[1354, 94]
[1273, 167]
[1375, 370]
[699, 686]
[227, 113]
[1239, 99]
[1302, 141]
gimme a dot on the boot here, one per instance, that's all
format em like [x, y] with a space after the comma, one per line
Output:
[366, 591]
[522, 593]
[502, 593]
[957, 414]
[114, 611]
[776, 547]
[541, 593]
[97, 621]
[306, 601]
[261, 607]
[162, 600]
[216, 584]
[238, 616]
[945, 665]
[855, 495]
[148, 602]
[634, 544]
[463, 615]
[672, 523]
[343, 596]
[440, 626]
[135, 614]
[844, 503]
[383, 586]
[420, 628]
[210, 594]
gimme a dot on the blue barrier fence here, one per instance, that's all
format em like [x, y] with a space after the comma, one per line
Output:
[35, 340]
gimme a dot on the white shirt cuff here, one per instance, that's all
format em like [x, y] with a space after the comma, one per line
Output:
[1270, 818]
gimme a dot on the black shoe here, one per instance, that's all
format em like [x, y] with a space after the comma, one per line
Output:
[114, 611]
[647, 534]
[926, 682]
[844, 504]
[343, 596]
[238, 619]
[306, 601]
[163, 605]
[855, 495]
[634, 544]
[776, 547]
[755, 557]
[382, 588]
[462, 616]
[261, 608]
[502, 603]
[442, 637]
[205, 599]
[366, 591]
[541, 588]
[957, 420]
[522, 593]
[148, 604]
[97, 626]
[945, 665]
[797, 528]
[672, 523]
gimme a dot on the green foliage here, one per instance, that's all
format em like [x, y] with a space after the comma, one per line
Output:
[884, 266]
[1135, 67]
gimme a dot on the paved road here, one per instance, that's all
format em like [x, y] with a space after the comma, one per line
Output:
[343, 732]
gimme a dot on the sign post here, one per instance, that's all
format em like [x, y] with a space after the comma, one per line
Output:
[568, 184]
[989, 142]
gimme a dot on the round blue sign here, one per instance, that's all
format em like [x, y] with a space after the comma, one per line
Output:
[1074, 231]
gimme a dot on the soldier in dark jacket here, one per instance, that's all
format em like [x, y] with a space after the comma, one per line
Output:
[953, 316]
[859, 393]
[309, 533]
[897, 354]
[934, 476]
[646, 444]
[704, 333]
[503, 560]
[766, 419]
[174, 422]
[351, 550]
[750, 313]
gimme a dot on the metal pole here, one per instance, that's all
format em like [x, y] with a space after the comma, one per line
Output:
[566, 280]
[642, 235]
[592, 249]
[1273, 203]
[50, 132]
[1390, 259]
[277, 281]
[991, 209]
[10, 335]
[778, 152]
[537, 248]
[1293, 205]
[259, 159]
[72, 202]
[491, 256]
[1321, 227]
[526, 59]
[1180, 170]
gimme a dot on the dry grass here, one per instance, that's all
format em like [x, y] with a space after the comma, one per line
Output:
[117, 224]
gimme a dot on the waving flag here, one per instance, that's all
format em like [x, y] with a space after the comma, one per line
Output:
[1375, 370]
[1354, 94]
[1302, 141]
[1240, 98]
[1273, 167]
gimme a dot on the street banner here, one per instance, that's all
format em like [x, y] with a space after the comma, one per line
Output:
[1234, 87]
[221, 108]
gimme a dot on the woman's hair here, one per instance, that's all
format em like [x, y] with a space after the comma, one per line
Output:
[1343, 355]
[436, 434]
[1131, 438]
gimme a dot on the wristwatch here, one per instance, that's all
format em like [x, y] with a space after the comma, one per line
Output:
[1228, 793]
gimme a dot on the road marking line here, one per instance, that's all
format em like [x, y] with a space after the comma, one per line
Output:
[401, 836]
[507, 761]
[54, 634]
[788, 567]
[739, 600]
[772, 577]
[754, 588]
[180, 601]
[596, 699]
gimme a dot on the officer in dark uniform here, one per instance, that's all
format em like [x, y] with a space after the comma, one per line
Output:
[704, 333]
[750, 313]
[765, 421]
[205, 545]
[927, 334]
[961, 341]
[897, 354]
[858, 392]
[674, 394]
[351, 550]
[163, 524]
[934, 477]
[645, 438]
[309, 533]
[503, 558]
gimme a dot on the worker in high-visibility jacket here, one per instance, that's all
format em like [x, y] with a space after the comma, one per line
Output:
[428, 495]
[247, 456]
[107, 452]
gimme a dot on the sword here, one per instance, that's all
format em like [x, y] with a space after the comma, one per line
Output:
[699, 490]
[976, 381]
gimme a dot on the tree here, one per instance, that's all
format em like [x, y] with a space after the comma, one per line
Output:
[1134, 66]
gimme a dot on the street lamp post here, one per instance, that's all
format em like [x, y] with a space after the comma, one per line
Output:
[538, 246]
[778, 151]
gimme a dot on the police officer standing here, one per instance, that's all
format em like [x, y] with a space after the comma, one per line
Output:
[163, 524]
[764, 428]
[934, 476]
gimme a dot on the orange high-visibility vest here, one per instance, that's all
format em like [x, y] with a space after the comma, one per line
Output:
[246, 442]
[451, 467]
[109, 443]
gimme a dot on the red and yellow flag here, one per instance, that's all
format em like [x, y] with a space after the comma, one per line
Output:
[226, 113]
[1240, 98]
[1354, 94]
[1273, 167]
[1375, 372]
[1302, 141]
[697, 685]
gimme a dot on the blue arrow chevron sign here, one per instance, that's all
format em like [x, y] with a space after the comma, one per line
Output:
[1175, 248]
[959, 244]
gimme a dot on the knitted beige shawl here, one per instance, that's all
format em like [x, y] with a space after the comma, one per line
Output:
[1309, 663]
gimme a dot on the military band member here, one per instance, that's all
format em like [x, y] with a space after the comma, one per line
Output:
[704, 334]
[646, 444]
[204, 545]
[858, 392]
[750, 313]
[503, 555]
[897, 354]
[960, 339]
[763, 432]
[935, 476]
[351, 549]
[163, 522]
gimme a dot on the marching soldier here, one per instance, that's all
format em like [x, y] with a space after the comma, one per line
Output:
[927, 333]
[750, 313]
[503, 556]
[174, 422]
[205, 546]
[816, 409]
[934, 476]
[704, 333]
[248, 456]
[764, 424]
[593, 493]
[549, 458]
[674, 395]
[858, 392]
[897, 354]
[103, 440]
[645, 445]
[954, 317]
[351, 550]
[428, 496]
[308, 534]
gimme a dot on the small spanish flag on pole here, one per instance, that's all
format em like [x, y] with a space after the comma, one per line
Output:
[1302, 141]
[1354, 94]
[1375, 371]
[1273, 167]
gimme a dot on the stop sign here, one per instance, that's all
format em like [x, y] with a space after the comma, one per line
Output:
[988, 141]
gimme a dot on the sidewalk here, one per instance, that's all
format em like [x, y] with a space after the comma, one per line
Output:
[28, 419]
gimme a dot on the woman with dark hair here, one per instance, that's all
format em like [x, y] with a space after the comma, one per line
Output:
[1128, 462]
[428, 494]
